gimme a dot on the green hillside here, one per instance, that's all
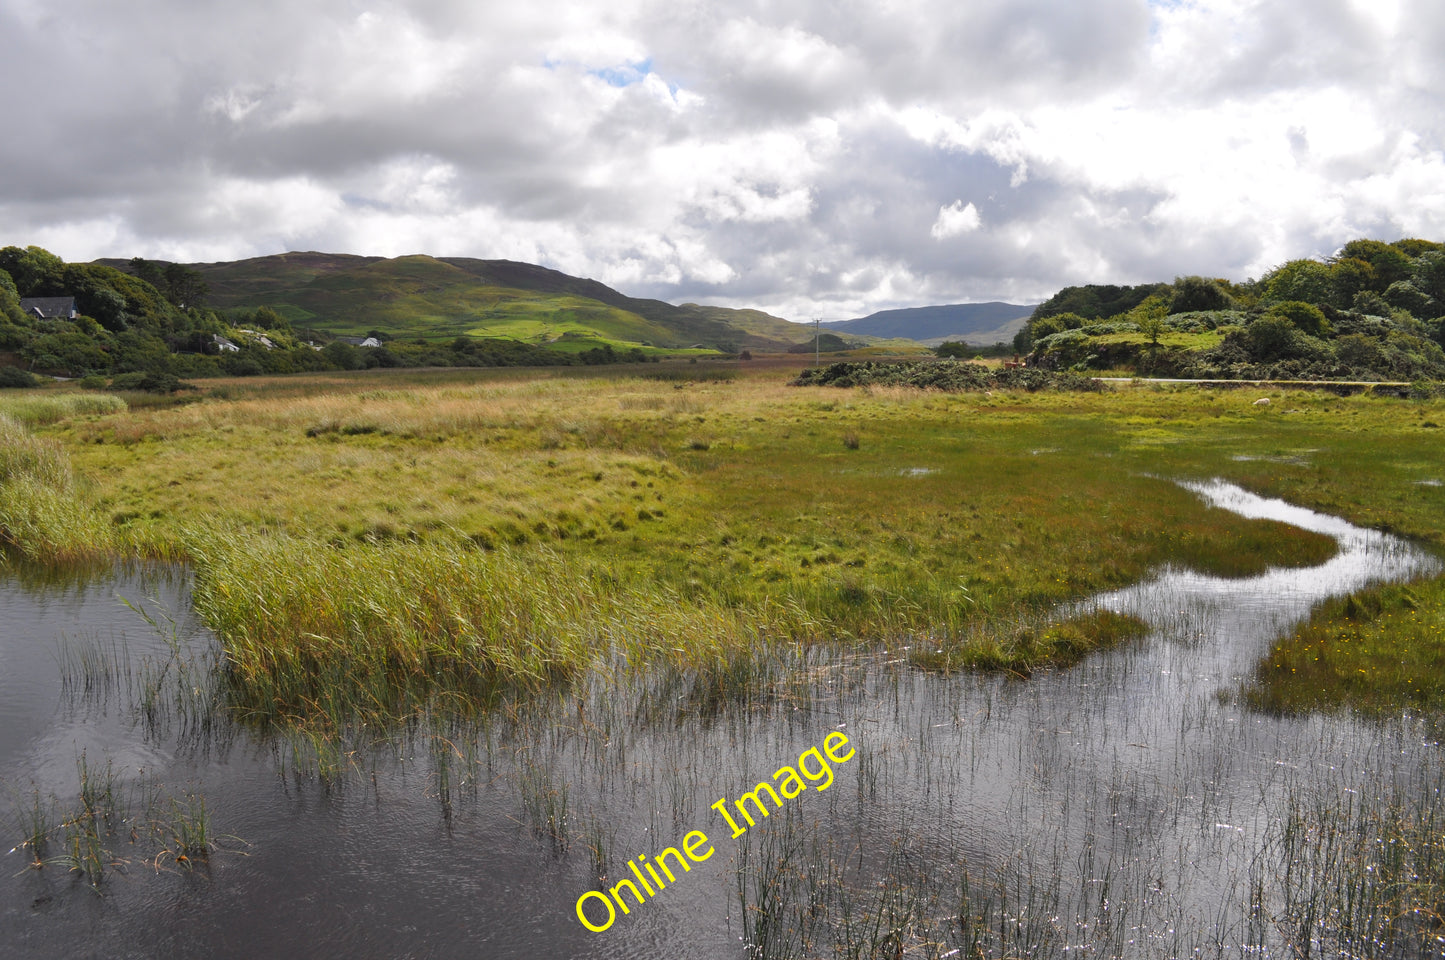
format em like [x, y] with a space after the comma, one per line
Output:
[443, 298]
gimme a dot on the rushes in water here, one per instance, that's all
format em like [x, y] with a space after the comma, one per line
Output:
[1027, 641]
[86, 839]
[1362, 877]
[36, 825]
[188, 826]
[545, 805]
[599, 840]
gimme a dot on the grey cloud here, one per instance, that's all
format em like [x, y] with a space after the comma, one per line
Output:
[165, 102]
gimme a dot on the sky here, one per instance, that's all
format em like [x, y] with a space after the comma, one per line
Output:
[809, 158]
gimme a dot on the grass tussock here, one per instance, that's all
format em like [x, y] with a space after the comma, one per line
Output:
[50, 408]
[1022, 644]
[334, 635]
[43, 513]
[1376, 651]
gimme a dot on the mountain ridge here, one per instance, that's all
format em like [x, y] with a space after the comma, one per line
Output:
[440, 297]
[956, 321]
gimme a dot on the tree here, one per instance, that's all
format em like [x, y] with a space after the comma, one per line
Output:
[1349, 277]
[1428, 274]
[1271, 337]
[35, 270]
[185, 287]
[150, 272]
[343, 355]
[1198, 293]
[1023, 340]
[1407, 296]
[268, 319]
[1305, 317]
[1371, 303]
[1389, 262]
[953, 348]
[1305, 280]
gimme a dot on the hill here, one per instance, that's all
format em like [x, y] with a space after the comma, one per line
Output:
[440, 298]
[979, 323]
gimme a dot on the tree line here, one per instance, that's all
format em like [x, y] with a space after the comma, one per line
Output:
[1373, 311]
[148, 326]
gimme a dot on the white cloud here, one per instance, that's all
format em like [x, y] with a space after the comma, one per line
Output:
[781, 155]
[954, 219]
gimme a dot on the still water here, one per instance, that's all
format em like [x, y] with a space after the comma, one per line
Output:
[1128, 806]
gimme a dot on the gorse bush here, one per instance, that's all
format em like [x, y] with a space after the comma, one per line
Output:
[949, 375]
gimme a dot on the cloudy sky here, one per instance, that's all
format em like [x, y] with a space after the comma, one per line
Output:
[811, 158]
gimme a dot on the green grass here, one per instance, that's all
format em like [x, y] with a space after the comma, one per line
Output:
[1020, 645]
[34, 408]
[1377, 651]
[395, 534]
[1169, 340]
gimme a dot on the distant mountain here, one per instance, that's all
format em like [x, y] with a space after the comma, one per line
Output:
[446, 297]
[979, 323]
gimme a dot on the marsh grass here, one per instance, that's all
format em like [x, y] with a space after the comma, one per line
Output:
[464, 533]
[1023, 643]
[544, 805]
[111, 823]
[186, 833]
[43, 514]
[1376, 651]
[1362, 878]
[50, 407]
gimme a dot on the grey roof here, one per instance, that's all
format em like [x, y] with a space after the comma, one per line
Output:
[49, 308]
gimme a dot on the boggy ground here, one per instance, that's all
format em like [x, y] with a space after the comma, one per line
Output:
[401, 530]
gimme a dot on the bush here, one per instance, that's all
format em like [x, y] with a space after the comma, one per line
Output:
[243, 366]
[1271, 337]
[15, 377]
[947, 375]
[1305, 317]
[1193, 294]
[149, 382]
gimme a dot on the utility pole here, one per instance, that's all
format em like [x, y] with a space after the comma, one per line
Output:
[817, 341]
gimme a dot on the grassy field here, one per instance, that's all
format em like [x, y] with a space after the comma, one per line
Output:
[398, 530]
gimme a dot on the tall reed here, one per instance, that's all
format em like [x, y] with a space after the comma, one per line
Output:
[43, 512]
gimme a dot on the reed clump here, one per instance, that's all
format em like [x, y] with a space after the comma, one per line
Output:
[1027, 641]
[43, 512]
[47, 408]
[313, 631]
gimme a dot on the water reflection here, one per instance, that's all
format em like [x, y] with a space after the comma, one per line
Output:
[1126, 806]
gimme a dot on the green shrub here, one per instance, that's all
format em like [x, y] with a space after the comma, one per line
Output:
[15, 377]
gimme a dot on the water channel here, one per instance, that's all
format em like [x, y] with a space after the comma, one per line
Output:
[1130, 805]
